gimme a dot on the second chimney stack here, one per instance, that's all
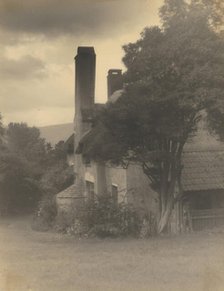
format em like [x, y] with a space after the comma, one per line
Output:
[114, 81]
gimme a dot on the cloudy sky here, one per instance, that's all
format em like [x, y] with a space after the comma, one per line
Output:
[39, 39]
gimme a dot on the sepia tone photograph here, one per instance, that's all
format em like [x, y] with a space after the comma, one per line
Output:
[112, 145]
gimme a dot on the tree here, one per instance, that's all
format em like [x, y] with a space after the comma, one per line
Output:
[57, 178]
[215, 11]
[30, 169]
[216, 119]
[20, 184]
[173, 74]
[2, 132]
[58, 175]
[174, 10]
[26, 141]
[21, 167]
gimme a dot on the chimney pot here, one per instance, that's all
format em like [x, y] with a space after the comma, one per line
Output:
[114, 81]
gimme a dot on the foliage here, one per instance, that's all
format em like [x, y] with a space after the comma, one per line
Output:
[101, 218]
[212, 11]
[57, 178]
[21, 167]
[1, 131]
[72, 222]
[105, 218]
[44, 218]
[174, 10]
[58, 175]
[30, 169]
[19, 186]
[173, 74]
[216, 119]
[26, 141]
[65, 221]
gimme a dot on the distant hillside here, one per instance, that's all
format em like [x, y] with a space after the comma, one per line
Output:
[55, 133]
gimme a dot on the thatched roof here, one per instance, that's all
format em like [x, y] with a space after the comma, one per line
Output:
[203, 166]
[91, 145]
[203, 169]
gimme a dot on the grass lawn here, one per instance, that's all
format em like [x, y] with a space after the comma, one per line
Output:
[38, 261]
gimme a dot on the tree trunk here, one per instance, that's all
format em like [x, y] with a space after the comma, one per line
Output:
[168, 179]
[168, 197]
[164, 219]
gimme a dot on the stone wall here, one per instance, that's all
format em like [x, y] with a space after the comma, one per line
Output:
[117, 176]
[68, 199]
[140, 192]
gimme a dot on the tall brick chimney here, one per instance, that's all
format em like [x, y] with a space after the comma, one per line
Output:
[85, 67]
[114, 81]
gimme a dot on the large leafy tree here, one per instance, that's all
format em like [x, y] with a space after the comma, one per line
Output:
[2, 130]
[26, 141]
[2, 133]
[213, 9]
[1, 126]
[22, 165]
[58, 175]
[173, 74]
[30, 169]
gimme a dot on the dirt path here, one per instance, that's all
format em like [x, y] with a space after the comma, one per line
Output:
[51, 262]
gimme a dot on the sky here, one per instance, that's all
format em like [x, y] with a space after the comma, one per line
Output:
[38, 43]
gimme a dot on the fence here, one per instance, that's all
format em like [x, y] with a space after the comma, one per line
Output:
[207, 218]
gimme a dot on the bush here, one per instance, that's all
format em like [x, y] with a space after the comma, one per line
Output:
[73, 221]
[68, 222]
[104, 218]
[64, 221]
[44, 217]
[101, 217]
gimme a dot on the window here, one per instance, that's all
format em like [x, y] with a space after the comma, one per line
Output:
[90, 191]
[114, 194]
[86, 161]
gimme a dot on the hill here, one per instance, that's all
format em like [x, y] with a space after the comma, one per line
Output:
[57, 132]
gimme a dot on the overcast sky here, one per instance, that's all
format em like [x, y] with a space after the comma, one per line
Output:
[38, 42]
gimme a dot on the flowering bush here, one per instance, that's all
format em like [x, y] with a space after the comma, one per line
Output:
[44, 217]
[105, 218]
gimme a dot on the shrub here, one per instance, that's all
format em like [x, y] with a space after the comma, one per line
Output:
[64, 220]
[69, 223]
[44, 217]
[105, 218]
[73, 221]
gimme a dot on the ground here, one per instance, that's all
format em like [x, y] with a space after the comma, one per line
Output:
[43, 261]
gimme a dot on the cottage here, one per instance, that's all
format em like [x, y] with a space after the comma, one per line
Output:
[203, 172]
